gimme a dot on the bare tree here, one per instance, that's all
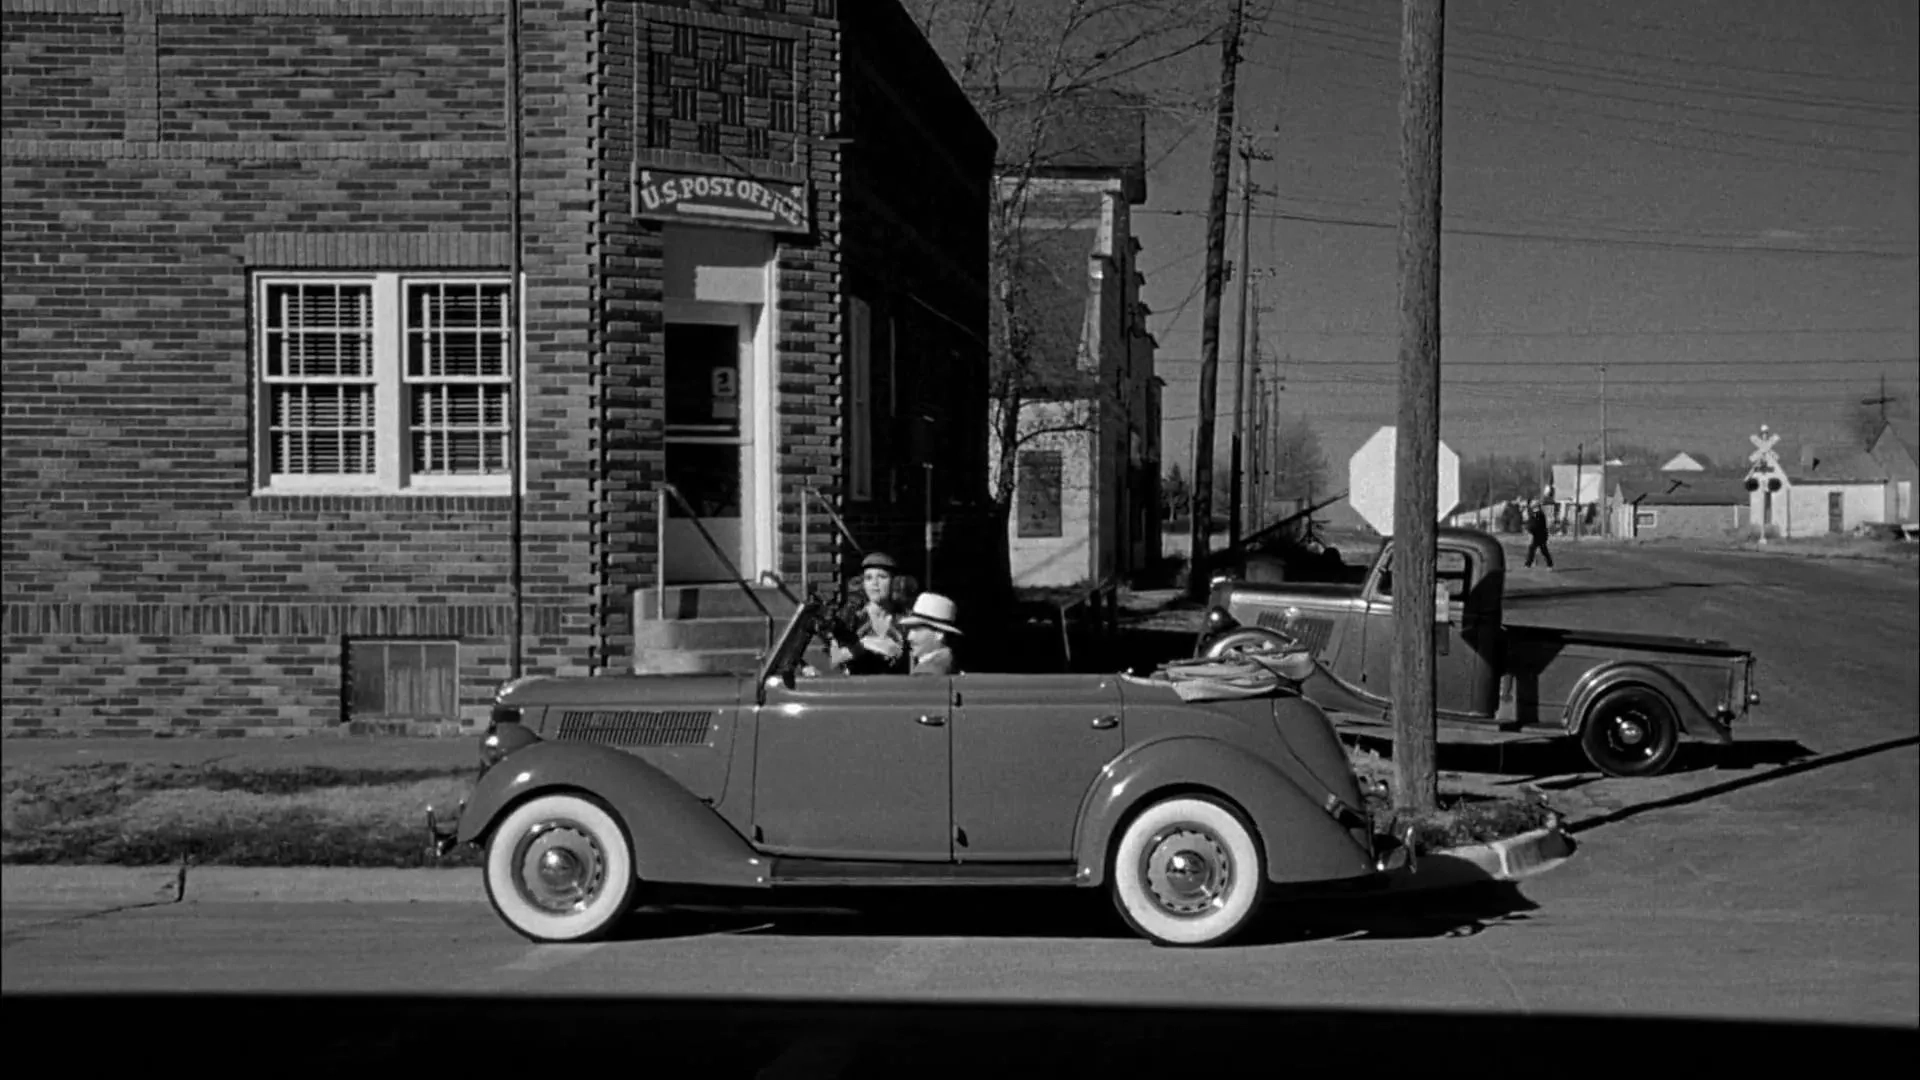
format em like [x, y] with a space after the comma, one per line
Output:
[1046, 75]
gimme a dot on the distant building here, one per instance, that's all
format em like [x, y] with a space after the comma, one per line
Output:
[1678, 503]
[1898, 459]
[1087, 466]
[1824, 491]
[1682, 462]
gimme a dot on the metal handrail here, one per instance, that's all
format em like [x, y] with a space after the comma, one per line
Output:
[668, 490]
[837, 522]
[809, 495]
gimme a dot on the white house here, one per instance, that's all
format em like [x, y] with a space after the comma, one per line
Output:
[1822, 491]
[1683, 462]
[1087, 466]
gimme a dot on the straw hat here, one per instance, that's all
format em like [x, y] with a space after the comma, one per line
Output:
[931, 610]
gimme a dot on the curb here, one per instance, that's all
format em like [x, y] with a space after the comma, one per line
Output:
[1514, 859]
[102, 888]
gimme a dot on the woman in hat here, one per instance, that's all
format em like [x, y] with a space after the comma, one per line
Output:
[930, 628]
[879, 647]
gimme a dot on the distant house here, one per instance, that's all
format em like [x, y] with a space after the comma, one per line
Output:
[1683, 462]
[1686, 503]
[1897, 457]
[1822, 491]
[1087, 465]
[1576, 487]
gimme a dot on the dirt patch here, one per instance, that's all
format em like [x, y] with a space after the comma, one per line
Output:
[148, 815]
[1463, 818]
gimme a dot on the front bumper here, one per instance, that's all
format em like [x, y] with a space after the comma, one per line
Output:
[444, 836]
[1396, 853]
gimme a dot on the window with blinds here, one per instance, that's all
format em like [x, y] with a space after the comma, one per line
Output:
[383, 383]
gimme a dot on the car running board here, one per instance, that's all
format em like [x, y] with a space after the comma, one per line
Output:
[836, 872]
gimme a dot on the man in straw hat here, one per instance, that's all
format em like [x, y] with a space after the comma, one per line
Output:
[930, 626]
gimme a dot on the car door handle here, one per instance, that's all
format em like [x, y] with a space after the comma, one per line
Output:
[933, 721]
[1102, 723]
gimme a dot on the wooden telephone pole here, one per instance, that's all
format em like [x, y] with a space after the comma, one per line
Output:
[1416, 462]
[1241, 402]
[1210, 313]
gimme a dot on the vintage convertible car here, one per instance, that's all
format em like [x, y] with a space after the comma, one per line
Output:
[1187, 793]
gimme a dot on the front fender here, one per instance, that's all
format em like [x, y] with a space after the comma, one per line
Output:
[676, 838]
[1695, 719]
[1302, 840]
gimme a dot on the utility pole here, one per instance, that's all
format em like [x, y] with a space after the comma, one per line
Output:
[1881, 400]
[1606, 509]
[1260, 421]
[1416, 494]
[1197, 575]
[1242, 403]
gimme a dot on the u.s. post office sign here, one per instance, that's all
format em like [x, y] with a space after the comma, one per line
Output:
[722, 200]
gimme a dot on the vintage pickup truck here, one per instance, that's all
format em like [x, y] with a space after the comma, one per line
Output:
[1628, 698]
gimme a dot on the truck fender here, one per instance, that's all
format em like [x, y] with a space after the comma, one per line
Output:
[1301, 840]
[1242, 635]
[676, 838]
[1695, 719]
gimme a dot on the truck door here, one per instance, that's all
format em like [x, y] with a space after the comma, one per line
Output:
[1465, 644]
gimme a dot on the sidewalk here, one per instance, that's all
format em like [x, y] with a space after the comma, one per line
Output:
[335, 751]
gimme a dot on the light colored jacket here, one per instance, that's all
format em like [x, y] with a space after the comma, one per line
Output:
[937, 662]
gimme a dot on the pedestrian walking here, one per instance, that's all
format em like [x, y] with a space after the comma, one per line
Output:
[1537, 529]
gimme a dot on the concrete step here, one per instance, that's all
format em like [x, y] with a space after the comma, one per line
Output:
[709, 602]
[684, 662]
[705, 634]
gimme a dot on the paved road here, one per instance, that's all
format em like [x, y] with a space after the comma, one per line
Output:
[1781, 880]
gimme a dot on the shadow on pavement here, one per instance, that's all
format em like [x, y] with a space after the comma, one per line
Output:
[1556, 764]
[1464, 905]
[857, 1039]
[1716, 790]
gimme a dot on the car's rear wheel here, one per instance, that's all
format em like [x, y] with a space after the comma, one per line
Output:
[1188, 871]
[1631, 731]
[559, 869]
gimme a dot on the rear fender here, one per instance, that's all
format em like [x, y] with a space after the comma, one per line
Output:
[1302, 841]
[1696, 719]
[676, 838]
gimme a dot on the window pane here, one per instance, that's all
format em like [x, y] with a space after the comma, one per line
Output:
[321, 430]
[404, 680]
[459, 430]
[368, 663]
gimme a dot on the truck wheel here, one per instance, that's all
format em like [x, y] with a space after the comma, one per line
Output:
[1188, 871]
[1630, 732]
[559, 869]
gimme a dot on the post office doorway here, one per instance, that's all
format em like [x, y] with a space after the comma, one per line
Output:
[713, 421]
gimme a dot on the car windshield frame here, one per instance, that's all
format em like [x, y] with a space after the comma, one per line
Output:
[784, 660]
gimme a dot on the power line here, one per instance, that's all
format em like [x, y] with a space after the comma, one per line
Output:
[1799, 73]
[1481, 334]
[1338, 29]
[1501, 234]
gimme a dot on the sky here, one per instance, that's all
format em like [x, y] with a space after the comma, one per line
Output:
[1718, 201]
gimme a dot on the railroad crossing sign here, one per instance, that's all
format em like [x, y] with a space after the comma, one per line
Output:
[1763, 455]
[1370, 481]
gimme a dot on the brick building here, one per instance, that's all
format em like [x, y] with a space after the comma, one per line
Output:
[256, 356]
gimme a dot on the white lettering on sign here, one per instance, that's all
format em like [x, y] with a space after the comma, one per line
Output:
[726, 382]
[726, 198]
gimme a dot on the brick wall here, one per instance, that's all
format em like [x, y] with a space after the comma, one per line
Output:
[158, 151]
[146, 587]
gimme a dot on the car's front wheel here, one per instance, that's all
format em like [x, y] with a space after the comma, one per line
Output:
[559, 869]
[1188, 871]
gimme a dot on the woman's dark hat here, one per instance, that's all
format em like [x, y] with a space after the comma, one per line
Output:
[878, 560]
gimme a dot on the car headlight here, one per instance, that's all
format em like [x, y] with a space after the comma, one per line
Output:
[1218, 620]
[505, 735]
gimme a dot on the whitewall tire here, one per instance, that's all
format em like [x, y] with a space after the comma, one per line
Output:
[1188, 871]
[559, 869]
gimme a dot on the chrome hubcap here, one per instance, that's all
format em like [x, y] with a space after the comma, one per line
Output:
[1187, 871]
[559, 867]
[1630, 732]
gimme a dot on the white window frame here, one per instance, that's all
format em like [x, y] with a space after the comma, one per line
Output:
[1644, 518]
[392, 402]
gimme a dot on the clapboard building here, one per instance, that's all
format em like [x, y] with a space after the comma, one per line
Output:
[258, 341]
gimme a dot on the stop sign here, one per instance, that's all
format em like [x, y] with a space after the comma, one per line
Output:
[1370, 481]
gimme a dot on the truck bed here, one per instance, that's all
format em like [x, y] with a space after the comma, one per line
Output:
[1618, 639]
